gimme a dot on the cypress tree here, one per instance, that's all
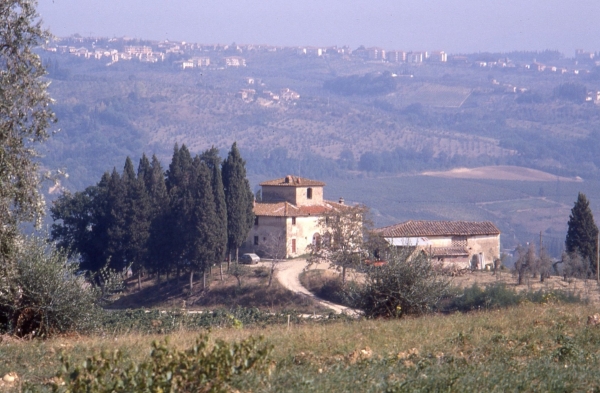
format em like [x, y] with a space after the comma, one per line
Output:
[239, 199]
[582, 233]
[159, 255]
[145, 172]
[204, 219]
[115, 221]
[213, 162]
[178, 184]
[137, 217]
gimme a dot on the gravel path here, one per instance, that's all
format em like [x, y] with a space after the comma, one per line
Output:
[288, 273]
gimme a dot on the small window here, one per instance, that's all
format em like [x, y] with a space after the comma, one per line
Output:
[309, 193]
[255, 220]
[293, 246]
[293, 220]
[256, 240]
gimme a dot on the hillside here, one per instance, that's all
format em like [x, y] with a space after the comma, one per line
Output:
[353, 121]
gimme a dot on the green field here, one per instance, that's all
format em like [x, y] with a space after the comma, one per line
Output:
[529, 348]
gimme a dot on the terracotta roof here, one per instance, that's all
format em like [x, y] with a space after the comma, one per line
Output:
[286, 209]
[293, 181]
[439, 228]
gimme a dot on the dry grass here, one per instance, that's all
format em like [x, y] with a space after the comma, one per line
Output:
[524, 334]
[220, 294]
[586, 289]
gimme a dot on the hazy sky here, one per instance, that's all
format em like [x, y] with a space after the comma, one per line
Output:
[450, 25]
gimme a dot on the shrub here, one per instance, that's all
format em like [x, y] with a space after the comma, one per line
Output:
[492, 296]
[43, 294]
[406, 284]
[202, 368]
[500, 296]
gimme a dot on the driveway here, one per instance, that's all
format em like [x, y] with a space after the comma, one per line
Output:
[288, 272]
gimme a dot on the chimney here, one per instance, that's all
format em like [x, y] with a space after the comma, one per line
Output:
[288, 179]
[341, 200]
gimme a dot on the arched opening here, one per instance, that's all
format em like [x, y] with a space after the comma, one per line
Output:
[316, 241]
[309, 193]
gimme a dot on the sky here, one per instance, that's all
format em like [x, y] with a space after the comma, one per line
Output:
[455, 26]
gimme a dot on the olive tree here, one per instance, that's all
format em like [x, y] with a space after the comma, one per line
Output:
[25, 116]
[342, 238]
[47, 294]
[406, 283]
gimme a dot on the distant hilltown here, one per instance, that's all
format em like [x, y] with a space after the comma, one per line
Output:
[186, 55]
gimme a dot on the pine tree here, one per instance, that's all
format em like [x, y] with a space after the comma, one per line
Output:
[239, 199]
[213, 162]
[582, 233]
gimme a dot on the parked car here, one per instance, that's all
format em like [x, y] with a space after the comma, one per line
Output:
[249, 259]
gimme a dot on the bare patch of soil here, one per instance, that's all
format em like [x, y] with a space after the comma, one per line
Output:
[253, 292]
[501, 172]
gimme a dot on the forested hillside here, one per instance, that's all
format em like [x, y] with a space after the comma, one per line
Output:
[352, 117]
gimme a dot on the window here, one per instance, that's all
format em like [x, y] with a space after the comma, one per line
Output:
[293, 246]
[256, 240]
[255, 220]
[293, 220]
[309, 193]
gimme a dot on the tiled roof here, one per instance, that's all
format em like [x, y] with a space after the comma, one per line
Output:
[293, 181]
[439, 228]
[286, 209]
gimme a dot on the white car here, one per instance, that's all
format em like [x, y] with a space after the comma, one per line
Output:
[249, 259]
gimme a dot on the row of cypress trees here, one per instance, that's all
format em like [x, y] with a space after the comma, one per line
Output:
[186, 218]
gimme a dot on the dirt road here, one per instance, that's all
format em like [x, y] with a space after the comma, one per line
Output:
[288, 273]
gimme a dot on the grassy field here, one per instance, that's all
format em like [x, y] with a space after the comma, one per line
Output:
[547, 347]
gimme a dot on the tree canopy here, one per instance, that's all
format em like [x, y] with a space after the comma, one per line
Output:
[25, 116]
[582, 232]
[155, 221]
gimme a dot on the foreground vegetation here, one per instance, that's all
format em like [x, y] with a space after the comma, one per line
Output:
[531, 347]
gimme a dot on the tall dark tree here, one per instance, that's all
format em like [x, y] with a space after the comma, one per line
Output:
[145, 172]
[81, 223]
[137, 218]
[115, 221]
[239, 199]
[582, 233]
[213, 162]
[203, 215]
[159, 254]
[178, 186]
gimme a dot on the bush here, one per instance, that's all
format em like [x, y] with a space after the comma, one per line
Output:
[406, 284]
[201, 368]
[42, 293]
[497, 296]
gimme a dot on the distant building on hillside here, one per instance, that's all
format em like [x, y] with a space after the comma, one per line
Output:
[463, 243]
[288, 213]
[234, 61]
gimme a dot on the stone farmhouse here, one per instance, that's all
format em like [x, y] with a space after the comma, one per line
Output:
[463, 243]
[288, 216]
